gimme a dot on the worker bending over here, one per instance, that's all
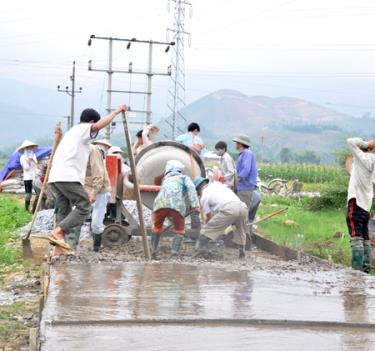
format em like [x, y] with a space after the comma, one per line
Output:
[360, 195]
[222, 208]
[175, 189]
[68, 172]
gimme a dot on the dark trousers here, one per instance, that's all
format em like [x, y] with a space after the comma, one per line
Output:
[357, 220]
[69, 195]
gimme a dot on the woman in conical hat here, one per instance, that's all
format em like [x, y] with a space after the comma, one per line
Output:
[29, 164]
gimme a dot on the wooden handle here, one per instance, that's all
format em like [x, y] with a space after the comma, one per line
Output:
[270, 216]
[137, 193]
[56, 141]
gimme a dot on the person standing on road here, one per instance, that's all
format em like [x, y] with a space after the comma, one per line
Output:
[360, 195]
[29, 164]
[227, 164]
[175, 189]
[222, 208]
[67, 176]
[98, 187]
[192, 138]
[247, 170]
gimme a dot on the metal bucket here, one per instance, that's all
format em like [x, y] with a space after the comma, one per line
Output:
[151, 162]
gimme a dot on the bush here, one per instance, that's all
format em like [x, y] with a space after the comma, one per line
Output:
[332, 196]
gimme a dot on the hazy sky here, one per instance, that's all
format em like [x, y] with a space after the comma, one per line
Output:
[323, 51]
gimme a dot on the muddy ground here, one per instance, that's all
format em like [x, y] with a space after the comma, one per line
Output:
[219, 256]
[19, 306]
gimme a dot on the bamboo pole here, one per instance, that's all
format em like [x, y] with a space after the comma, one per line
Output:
[137, 192]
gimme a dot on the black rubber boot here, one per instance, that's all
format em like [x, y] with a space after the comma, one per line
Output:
[97, 242]
[176, 245]
[357, 254]
[241, 252]
[367, 256]
[155, 238]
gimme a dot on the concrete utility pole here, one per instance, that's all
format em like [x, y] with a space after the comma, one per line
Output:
[149, 73]
[176, 89]
[72, 92]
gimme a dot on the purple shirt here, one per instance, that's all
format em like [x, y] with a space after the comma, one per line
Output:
[247, 170]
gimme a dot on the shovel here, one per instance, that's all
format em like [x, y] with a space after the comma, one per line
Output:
[26, 245]
[137, 193]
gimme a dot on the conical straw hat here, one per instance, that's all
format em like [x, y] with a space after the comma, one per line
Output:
[25, 144]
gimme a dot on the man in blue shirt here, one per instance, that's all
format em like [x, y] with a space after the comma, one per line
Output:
[192, 139]
[247, 170]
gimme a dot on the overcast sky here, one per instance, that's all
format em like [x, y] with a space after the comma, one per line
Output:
[321, 50]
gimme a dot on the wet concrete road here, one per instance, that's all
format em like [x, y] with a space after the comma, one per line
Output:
[141, 306]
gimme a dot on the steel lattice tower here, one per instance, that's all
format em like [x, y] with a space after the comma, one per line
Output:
[176, 86]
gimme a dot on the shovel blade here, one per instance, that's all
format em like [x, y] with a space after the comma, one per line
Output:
[26, 248]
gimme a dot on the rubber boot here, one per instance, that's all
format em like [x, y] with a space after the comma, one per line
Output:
[72, 238]
[195, 221]
[155, 238]
[241, 252]
[97, 241]
[201, 246]
[357, 253]
[367, 256]
[27, 201]
[176, 245]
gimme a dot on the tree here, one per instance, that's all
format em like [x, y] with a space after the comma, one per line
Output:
[286, 155]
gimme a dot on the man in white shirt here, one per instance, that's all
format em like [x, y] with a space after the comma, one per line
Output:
[222, 208]
[67, 176]
[360, 195]
[227, 164]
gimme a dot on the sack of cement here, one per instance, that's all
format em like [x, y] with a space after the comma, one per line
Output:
[11, 182]
[131, 206]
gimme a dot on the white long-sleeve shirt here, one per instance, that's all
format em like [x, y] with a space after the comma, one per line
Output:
[362, 174]
[227, 168]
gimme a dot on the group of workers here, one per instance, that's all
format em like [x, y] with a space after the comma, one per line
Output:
[79, 183]
[80, 186]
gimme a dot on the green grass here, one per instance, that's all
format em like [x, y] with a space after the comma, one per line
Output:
[12, 216]
[316, 233]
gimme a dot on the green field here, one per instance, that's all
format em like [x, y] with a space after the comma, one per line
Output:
[12, 216]
[320, 233]
[307, 173]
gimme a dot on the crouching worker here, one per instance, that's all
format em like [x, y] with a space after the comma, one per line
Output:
[222, 208]
[67, 177]
[175, 189]
[360, 194]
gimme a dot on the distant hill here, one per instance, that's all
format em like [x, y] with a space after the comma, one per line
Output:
[282, 122]
[231, 108]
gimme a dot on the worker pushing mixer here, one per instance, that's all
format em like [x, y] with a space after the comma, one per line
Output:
[222, 208]
[170, 203]
[360, 195]
[68, 171]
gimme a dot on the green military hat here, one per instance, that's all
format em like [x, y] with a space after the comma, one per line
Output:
[242, 139]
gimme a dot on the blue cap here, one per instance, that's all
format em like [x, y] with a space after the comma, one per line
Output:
[199, 180]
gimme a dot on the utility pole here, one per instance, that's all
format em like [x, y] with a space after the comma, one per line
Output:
[72, 92]
[67, 122]
[149, 73]
[176, 89]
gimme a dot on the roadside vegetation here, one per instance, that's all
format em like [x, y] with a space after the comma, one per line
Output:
[314, 225]
[17, 315]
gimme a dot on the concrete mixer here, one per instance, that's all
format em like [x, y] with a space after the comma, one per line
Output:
[150, 166]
